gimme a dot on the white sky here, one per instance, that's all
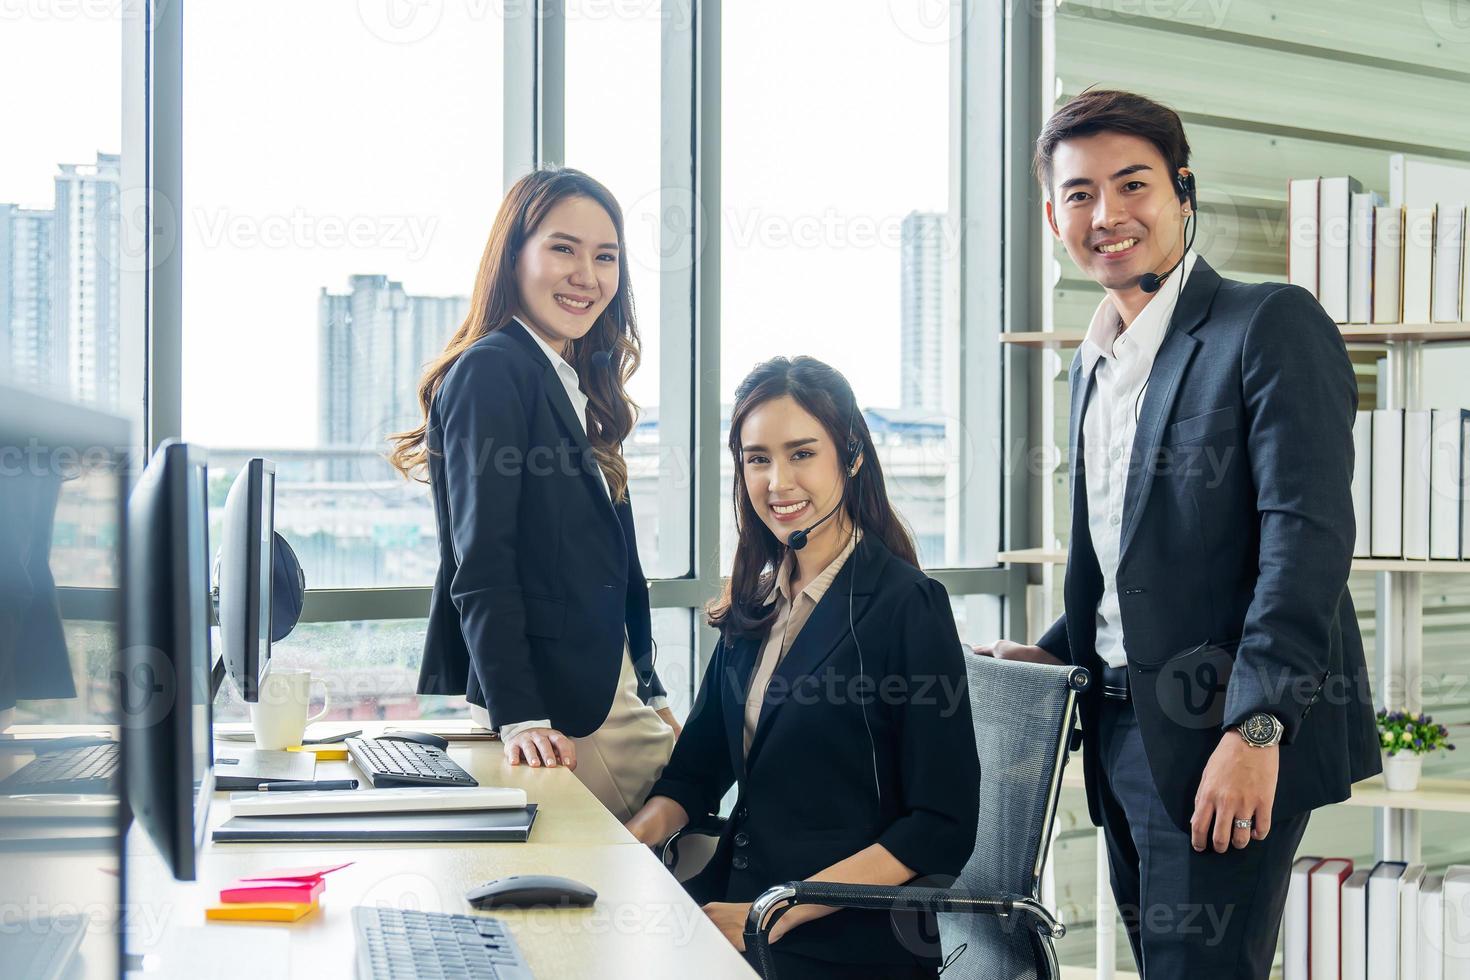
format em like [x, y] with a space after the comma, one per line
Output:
[315, 149]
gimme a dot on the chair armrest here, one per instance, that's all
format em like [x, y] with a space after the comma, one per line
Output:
[709, 825]
[770, 904]
[905, 897]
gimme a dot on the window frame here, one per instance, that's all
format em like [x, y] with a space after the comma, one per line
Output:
[992, 64]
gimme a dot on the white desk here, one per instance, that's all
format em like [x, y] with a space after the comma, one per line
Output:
[642, 925]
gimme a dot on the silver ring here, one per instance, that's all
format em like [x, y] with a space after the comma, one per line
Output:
[1243, 824]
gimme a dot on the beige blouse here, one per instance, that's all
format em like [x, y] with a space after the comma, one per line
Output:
[791, 616]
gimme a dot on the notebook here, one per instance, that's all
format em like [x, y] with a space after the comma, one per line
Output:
[511, 826]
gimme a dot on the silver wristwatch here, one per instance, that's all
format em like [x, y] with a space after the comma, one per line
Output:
[1261, 730]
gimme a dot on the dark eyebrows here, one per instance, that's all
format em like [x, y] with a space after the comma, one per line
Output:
[577, 241]
[794, 443]
[1086, 182]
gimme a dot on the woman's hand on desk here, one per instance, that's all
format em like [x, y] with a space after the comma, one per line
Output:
[541, 747]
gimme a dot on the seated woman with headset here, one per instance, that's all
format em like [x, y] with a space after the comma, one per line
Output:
[836, 697]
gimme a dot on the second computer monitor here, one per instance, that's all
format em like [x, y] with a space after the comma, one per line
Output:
[246, 561]
[170, 666]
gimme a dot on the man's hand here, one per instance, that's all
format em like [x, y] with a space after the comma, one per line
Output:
[1006, 650]
[1239, 783]
[541, 747]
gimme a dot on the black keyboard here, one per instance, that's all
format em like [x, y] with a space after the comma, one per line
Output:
[405, 944]
[388, 763]
[89, 769]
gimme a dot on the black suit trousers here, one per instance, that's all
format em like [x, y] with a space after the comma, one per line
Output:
[1197, 915]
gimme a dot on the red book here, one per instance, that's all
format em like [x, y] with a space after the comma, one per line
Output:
[288, 890]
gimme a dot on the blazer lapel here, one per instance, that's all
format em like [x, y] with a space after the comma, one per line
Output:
[734, 686]
[823, 633]
[1174, 355]
[1080, 388]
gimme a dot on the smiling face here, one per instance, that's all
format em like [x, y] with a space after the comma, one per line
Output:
[791, 467]
[1114, 207]
[567, 271]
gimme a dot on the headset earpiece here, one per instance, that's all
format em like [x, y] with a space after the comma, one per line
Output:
[1184, 184]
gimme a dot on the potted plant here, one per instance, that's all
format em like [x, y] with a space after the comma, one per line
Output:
[1406, 737]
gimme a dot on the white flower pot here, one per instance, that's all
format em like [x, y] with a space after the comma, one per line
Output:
[1401, 771]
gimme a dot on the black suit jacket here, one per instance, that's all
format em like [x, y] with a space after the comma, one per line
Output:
[1237, 532]
[538, 570]
[807, 795]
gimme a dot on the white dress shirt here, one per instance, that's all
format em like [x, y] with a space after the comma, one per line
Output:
[1121, 361]
[567, 375]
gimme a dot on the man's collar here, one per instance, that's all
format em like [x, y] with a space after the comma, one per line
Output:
[1148, 328]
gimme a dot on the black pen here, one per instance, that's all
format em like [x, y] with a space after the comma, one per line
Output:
[301, 785]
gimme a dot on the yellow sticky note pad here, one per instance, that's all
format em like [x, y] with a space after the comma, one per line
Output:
[323, 753]
[259, 911]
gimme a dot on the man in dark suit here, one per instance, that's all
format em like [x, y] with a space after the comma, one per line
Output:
[1211, 539]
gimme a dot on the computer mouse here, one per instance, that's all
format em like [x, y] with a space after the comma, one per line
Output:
[423, 738]
[528, 891]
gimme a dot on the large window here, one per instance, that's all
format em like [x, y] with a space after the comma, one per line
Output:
[342, 170]
[61, 255]
[614, 106]
[835, 235]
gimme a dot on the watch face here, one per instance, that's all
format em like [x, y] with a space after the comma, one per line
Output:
[1259, 728]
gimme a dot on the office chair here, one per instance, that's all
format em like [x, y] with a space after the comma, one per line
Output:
[992, 924]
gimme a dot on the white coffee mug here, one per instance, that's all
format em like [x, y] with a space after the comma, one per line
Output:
[279, 717]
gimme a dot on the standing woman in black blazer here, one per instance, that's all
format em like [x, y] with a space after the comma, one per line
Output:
[540, 608]
[836, 698]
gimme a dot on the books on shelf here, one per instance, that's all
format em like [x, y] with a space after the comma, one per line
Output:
[1334, 235]
[1367, 263]
[1411, 484]
[1387, 478]
[1360, 256]
[1388, 265]
[1396, 921]
[1418, 278]
[1449, 255]
[1302, 233]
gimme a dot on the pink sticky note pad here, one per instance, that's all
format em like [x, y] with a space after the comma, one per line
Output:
[266, 890]
[308, 873]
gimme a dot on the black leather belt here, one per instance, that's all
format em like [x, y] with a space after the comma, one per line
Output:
[1115, 683]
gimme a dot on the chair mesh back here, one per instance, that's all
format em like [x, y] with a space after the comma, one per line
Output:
[1019, 709]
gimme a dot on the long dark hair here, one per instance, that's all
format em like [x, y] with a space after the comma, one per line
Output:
[495, 301]
[825, 394]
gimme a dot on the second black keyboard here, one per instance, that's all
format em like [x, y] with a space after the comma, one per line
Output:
[389, 762]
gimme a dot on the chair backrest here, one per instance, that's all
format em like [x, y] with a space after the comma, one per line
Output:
[1023, 717]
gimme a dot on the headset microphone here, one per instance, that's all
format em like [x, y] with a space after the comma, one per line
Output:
[1150, 282]
[797, 541]
[602, 360]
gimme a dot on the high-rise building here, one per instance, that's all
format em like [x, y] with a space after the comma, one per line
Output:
[86, 254]
[921, 298]
[29, 353]
[375, 341]
[59, 303]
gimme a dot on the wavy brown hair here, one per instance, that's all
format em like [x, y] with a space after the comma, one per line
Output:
[825, 394]
[496, 300]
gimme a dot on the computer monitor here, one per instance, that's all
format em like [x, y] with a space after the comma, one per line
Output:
[171, 671]
[63, 490]
[246, 556]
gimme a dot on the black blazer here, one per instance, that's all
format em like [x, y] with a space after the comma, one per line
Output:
[538, 570]
[807, 795]
[1237, 531]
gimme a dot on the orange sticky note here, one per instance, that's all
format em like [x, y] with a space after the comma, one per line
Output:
[259, 911]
